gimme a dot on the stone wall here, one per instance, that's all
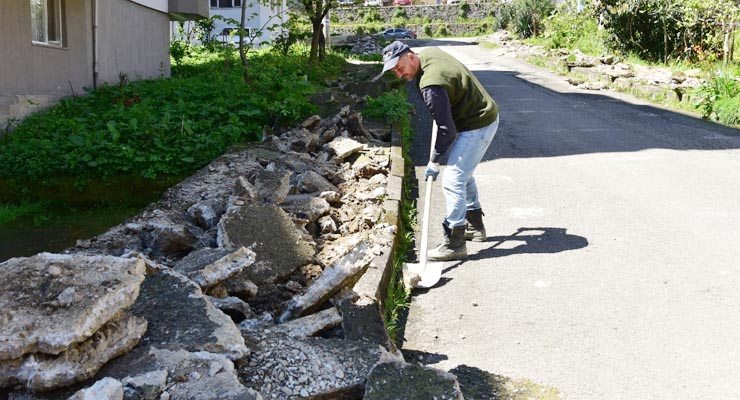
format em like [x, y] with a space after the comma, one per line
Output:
[453, 18]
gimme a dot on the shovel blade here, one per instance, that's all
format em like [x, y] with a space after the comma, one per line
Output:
[418, 276]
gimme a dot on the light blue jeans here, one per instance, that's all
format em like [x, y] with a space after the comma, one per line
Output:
[458, 184]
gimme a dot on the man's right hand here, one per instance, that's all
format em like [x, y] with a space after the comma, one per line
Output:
[432, 170]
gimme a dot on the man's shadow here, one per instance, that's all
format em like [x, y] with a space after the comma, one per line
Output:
[528, 241]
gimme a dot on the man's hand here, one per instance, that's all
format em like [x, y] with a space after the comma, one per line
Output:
[432, 170]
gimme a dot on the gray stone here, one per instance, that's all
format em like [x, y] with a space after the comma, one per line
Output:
[364, 321]
[180, 317]
[316, 361]
[270, 233]
[300, 140]
[594, 85]
[167, 234]
[403, 381]
[355, 126]
[313, 324]
[104, 389]
[311, 122]
[246, 190]
[313, 182]
[344, 147]
[306, 206]
[190, 375]
[147, 386]
[273, 187]
[622, 84]
[592, 74]
[32, 318]
[327, 224]
[241, 287]
[343, 274]
[234, 307]
[43, 372]
[207, 213]
[218, 270]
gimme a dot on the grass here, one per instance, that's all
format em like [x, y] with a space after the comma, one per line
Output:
[10, 212]
[397, 299]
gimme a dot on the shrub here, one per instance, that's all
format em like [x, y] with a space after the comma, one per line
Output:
[572, 28]
[428, 30]
[389, 106]
[530, 16]
[717, 96]
[162, 126]
[728, 110]
[442, 30]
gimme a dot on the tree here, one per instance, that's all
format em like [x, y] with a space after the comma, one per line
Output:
[317, 11]
[246, 36]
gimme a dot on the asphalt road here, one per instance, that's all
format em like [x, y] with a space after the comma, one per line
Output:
[612, 268]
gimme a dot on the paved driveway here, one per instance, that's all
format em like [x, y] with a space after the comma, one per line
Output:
[612, 269]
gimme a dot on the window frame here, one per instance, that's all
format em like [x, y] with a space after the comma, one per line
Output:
[231, 4]
[51, 25]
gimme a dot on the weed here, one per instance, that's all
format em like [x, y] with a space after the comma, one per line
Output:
[10, 212]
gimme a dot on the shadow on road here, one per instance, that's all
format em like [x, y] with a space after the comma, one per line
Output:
[527, 241]
[537, 121]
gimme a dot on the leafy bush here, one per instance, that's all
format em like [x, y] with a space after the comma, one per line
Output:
[442, 30]
[728, 110]
[163, 126]
[572, 28]
[371, 15]
[717, 97]
[400, 13]
[427, 30]
[503, 16]
[464, 11]
[178, 50]
[389, 106]
[529, 16]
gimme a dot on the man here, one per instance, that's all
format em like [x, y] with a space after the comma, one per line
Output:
[467, 120]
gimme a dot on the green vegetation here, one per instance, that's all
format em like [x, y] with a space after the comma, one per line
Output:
[163, 126]
[393, 108]
[567, 28]
[719, 98]
[10, 212]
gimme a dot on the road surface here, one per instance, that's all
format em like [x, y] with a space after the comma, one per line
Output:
[612, 268]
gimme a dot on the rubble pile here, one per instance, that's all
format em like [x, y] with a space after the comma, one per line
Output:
[237, 284]
[605, 72]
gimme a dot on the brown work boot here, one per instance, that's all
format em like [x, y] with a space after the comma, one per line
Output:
[474, 229]
[453, 247]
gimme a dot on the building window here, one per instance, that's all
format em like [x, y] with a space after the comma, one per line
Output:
[226, 3]
[47, 20]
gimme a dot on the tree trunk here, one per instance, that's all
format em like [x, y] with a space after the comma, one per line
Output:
[322, 46]
[242, 50]
[315, 40]
[728, 43]
[665, 42]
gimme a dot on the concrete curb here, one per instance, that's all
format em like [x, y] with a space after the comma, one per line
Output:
[372, 287]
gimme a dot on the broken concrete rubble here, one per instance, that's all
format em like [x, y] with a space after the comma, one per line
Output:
[180, 317]
[235, 232]
[268, 231]
[43, 372]
[52, 301]
[331, 281]
[207, 267]
[404, 381]
[104, 389]
[287, 367]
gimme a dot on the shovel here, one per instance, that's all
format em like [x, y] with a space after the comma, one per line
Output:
[423, 275]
